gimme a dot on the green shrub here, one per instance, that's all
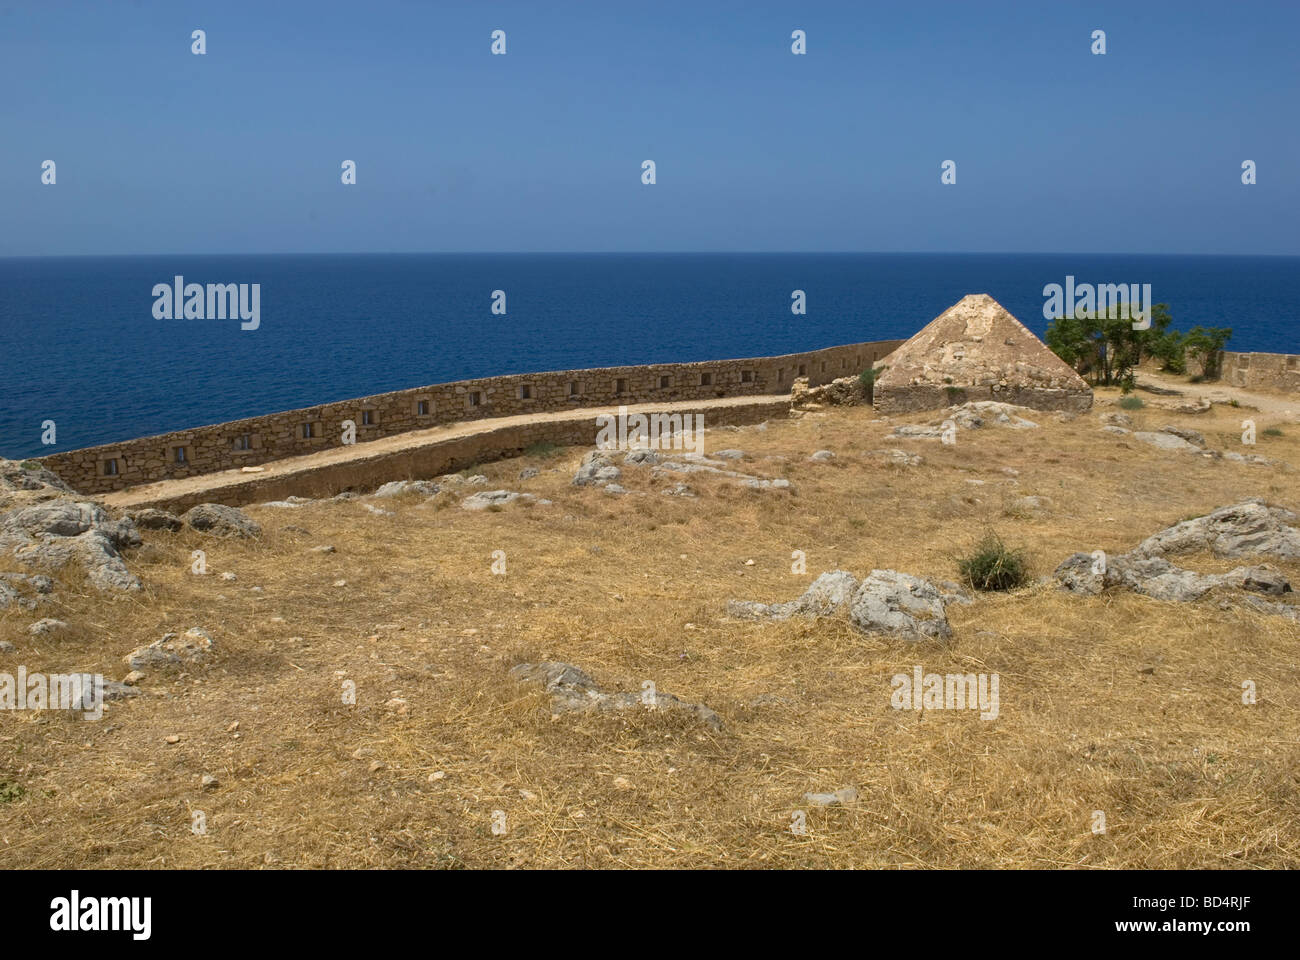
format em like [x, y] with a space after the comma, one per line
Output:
[994, 565]
[868, 380]
[1131, 403]
[9, 792]
[1272, 432]
[542, 448]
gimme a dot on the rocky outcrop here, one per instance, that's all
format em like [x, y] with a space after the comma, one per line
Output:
[572, 689]
[54, 533]
[148, 518]
[26, 481]
[398, 488]
[191, 647]
[1250, 528]
[969, 416]
[596, 470]
[886, 602]
[498, 498]
[222, 521]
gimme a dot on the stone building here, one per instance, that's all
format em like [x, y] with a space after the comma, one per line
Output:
[976, 350]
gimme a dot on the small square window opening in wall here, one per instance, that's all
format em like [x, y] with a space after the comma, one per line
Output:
[665, 382]
[620, 385]
[780, 375]
[803, 370]
[110, 468]
[244, 441]
[308, 431]
[706, 379]
[422, 408]
[525, 391]
[475, 398]
[179, 455]
[574, 389]
[367, 418]
[746, 376]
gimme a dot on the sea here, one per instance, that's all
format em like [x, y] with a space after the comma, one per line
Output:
[80, 344]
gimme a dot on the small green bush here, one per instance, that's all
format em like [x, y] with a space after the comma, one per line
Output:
[868, 380]
[1272, 432]
[542, 448]
[994, 565]
[1131, 403]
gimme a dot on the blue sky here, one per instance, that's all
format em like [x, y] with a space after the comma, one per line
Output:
[239, 151]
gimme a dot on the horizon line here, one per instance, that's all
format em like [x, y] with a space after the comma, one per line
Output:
[616, 253]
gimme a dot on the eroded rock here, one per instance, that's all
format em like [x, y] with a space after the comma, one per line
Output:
[572, 689]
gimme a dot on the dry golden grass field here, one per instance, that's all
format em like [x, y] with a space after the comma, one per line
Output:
[1118, 703]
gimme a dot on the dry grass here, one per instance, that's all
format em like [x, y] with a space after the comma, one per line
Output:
[636, 588]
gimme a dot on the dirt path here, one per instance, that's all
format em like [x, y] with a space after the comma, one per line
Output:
[187, 486]
[1272, 403]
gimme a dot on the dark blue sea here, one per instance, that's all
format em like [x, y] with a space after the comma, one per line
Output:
[79, 344]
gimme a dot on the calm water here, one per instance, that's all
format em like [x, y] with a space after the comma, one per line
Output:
[79, 344]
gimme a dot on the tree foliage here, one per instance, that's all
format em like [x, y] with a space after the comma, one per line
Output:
[1108, 349]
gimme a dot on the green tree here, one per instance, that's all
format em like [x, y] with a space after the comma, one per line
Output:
[1108, 349]
[1205, 345]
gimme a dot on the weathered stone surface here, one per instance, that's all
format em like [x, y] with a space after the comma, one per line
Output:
[900, 605]
[976, 350]
[151, 519]
[46, 627]
[191, 647]
[596, 470]
[824, 596]
[1191, 436]
[1166, 441]
[572, 689]
[887, 602]
[53, 533]
[397, 488]
[26, 481]
[497, 498]
[981, 413]
[1249, 528]
[1244, 529]
[222, 521]
[840, 392]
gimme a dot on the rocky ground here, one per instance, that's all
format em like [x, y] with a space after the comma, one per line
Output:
[657, 658]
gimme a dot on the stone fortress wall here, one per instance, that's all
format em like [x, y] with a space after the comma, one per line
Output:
[1262, 371]
[255, 440]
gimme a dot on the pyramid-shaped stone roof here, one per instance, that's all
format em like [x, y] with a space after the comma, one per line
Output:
[976, 350]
